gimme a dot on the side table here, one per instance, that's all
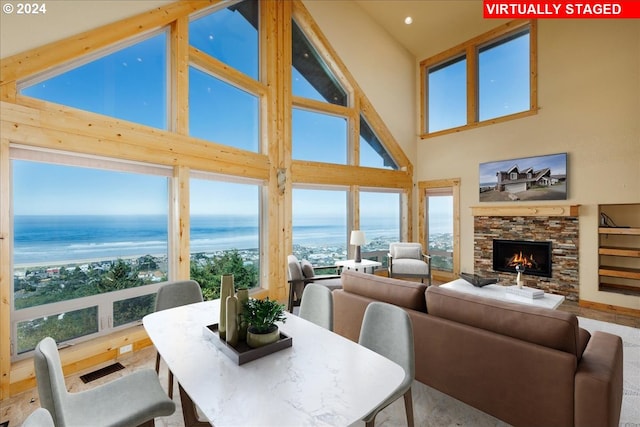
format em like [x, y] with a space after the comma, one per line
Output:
[363, 266]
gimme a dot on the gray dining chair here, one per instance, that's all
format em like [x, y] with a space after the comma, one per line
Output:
[317, 305]
[132, 400]
[39, 418]
[387, 330]
[175, 294]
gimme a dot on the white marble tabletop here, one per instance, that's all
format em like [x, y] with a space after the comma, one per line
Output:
[499, 292]
[322, 380]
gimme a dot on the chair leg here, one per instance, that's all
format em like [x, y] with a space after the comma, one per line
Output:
[408, 407]
[157, 362]
[371, 423]
[150, 423]
[170, 384]
[189, 413]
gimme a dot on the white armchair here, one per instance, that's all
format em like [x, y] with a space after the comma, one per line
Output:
[407, 260]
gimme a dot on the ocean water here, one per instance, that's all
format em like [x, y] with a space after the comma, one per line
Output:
[54, 238]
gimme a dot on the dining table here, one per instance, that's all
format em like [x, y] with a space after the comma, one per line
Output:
[322, 379]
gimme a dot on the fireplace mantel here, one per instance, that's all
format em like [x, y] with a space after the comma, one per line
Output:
[529, 210]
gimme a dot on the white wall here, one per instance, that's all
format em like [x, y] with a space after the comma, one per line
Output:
[380, 65]
[63, 18]
[589, 97]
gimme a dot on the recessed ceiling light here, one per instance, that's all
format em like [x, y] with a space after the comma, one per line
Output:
[408, 20]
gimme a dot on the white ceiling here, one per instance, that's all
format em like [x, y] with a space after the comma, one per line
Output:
[437, 24]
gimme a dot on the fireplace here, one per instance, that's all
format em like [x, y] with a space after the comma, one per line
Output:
[535, 256]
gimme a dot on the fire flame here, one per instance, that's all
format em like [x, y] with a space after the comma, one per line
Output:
[521, 259]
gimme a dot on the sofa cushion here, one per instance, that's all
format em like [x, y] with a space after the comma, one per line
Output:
[550, 328]
[411, 252]
[401, 292]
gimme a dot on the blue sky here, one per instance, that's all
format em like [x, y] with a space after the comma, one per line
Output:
[131, 83]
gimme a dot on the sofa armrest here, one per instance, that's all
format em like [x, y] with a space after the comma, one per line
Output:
[598, 382]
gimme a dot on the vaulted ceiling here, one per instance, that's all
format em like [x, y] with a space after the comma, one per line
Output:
[436, 23]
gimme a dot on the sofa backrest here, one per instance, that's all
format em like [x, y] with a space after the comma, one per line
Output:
[550, 328]
[393, 291]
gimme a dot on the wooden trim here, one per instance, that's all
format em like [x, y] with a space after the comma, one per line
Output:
[51, 55]
[480, 124]
[621, 272]
[179, 58]
[622, 231]
[534, 210]
[180, 185]
[453, 187]
[317, 38]
[472, 84]
[325, 107]
[68, 129]
[211, 65]
[619, 251]
[533, 63]
[44, 125]
[497, 32]
[609, 308]
[80, 356]
[8, 91]
[383, 132]
[330, 174]
[5, 278]
[470, 50]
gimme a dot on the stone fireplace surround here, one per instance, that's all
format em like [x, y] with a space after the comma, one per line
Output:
[525, 224]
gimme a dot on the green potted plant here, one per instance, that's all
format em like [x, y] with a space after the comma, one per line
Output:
[261, 317]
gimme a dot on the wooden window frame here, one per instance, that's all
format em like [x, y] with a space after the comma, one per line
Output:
[470, 50]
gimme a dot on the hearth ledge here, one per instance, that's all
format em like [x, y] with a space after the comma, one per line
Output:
[539, 210]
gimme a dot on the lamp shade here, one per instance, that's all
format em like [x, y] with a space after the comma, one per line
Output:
[357, 238]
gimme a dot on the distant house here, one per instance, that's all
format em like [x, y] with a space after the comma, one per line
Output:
[515, 180]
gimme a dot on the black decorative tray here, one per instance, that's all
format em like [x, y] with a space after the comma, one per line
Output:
[478, 281]
[242, 353]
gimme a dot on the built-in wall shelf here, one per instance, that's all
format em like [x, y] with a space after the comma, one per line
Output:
[528, 210]
[619, 249]
[623, 231]
[624, 272]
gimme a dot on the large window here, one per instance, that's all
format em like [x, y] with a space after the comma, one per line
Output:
[222, 113]
[439, 225]
[372, 151]
[320, 225]
[380, 214]
[88, 243]
[130, 83]
[224, 233]
[319, 137]
[440, 230]
[503, 76]
[312, 78]
[230, 35]
[447, 96]
[487, 79]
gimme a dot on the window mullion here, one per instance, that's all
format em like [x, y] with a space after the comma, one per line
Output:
[472, 85]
